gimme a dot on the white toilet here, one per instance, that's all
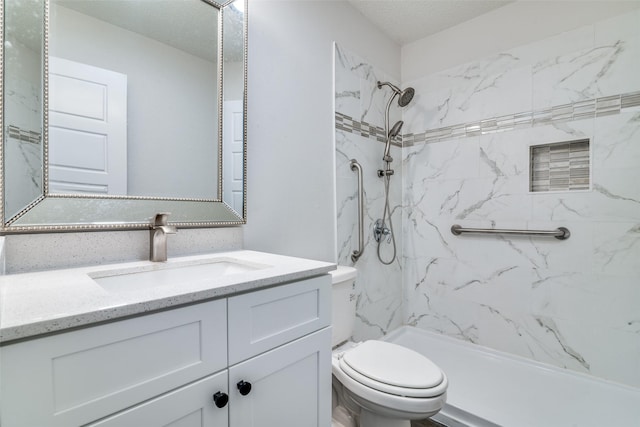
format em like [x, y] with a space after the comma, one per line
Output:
[385, 384]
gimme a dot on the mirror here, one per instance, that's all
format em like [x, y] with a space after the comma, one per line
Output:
[116, 110]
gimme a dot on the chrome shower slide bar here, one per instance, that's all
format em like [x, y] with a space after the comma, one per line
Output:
[355, 166]
[560, 233]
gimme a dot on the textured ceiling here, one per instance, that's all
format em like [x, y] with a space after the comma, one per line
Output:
[405, 21]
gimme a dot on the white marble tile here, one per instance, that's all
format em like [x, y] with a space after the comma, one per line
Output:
[430, 109]
[622, 74]
[24, 171]
[560, 258]
[616, 247]
[453, 159]
[572, 296]
[612, 354]
[608, 67]
[559, 45]
[487, 88]
[495, 199]
[357, 94]
[3, 264]
[620, 187]
[378, 287]
[616, 142]
[347, 84]
[504, 154]
[443, 315]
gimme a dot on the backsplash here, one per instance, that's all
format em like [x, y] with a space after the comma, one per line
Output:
[571, 303]
[34, 252]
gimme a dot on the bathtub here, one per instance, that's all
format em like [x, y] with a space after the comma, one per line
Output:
[488, 388]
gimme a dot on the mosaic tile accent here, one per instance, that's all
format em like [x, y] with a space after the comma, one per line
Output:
[362, 128]
[560, 166]
[596, 107]
[24, 135]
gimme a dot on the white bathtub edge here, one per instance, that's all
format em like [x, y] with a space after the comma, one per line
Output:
[490, 388]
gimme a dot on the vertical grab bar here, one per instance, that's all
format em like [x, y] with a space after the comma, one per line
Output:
[355, 166]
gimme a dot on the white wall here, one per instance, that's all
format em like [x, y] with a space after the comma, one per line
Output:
[290, 154]
[171, 109]
[291, 125]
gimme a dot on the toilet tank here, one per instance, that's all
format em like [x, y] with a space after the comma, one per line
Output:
[343, 295]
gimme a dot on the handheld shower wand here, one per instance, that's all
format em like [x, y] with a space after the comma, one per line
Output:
[395, 130]
[381, 231]
[405, 97]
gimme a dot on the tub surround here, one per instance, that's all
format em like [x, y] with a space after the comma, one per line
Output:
[359, 134]
[570, 303]
[465, 160]
[33, 304]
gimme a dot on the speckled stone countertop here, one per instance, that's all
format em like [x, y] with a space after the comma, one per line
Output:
[33, 304]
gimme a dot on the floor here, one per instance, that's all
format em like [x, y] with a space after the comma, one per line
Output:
[426, 423]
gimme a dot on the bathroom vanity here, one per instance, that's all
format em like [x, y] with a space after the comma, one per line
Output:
[233, 339]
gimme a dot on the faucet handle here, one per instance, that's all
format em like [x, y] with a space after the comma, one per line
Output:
[159, 219]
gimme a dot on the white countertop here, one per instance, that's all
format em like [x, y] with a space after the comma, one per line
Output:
[33, 304]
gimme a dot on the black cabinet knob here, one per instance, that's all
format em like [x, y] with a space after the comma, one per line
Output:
[244, 387]
[220, 399]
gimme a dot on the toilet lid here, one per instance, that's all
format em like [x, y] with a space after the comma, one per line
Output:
[393, 369]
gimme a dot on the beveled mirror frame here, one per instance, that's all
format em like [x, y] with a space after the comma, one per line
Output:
[68, 213]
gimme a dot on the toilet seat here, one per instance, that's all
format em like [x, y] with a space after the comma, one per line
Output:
[392, 369]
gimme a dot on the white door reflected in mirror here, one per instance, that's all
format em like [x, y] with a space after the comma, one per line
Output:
[87, 129]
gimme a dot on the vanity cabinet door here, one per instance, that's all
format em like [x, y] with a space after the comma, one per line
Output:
[190, 406]
[77, 377]
[263, 320]
[286, 387]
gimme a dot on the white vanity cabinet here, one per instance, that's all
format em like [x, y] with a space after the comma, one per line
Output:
[277, 378]
[189, 406]
[74, 378]
[164, 368]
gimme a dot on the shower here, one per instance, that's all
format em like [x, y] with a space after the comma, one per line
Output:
[381, 231]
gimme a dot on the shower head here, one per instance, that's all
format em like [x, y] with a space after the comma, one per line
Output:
[395, 130]
[405, 95]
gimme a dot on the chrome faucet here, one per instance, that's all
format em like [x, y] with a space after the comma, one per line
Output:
[158, 241]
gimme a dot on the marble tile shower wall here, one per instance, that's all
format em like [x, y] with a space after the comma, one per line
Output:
[23, 138]
[360, 109]
[570, 303]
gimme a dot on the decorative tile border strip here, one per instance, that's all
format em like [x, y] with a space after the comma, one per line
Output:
[596, 107]
[24, 135]
[560, 166]
[349, 124]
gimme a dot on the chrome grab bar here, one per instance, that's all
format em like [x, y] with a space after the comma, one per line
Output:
[355, 166]
[560, 233]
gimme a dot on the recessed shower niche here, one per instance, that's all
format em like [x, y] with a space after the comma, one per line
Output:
[562, 166]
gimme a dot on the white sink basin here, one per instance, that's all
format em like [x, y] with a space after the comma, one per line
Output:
[171, 274]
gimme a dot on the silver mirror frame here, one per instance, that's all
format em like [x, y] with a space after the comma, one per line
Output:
[115, 211]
